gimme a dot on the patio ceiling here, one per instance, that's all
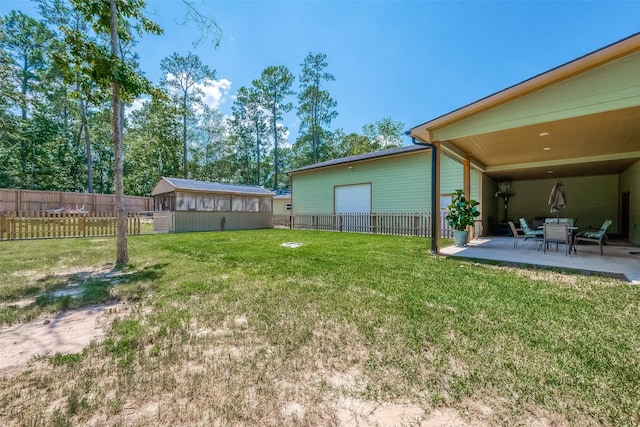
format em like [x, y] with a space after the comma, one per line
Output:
[597, 144]
[581, 118]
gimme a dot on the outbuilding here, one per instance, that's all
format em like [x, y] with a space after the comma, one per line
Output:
[390, 185]
[182, 205]
[282, 208]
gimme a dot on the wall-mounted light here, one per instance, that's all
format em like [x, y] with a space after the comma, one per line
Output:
[544, 133]
[349, 168]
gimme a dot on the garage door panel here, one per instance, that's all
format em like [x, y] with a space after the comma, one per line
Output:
[353, 198]
[352, 207]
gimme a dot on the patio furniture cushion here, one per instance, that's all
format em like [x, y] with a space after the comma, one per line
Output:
[591, 234]
[569, 221]
[530, 233]
[595, 236]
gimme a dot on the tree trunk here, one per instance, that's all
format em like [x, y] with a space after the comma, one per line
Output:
[314, 127]
[25, 86]
[87, 144]
[185, 169]
[258, 151]
[275, 148]
[122, 255]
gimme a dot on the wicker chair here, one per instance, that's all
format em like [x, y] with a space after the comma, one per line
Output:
[598, 237]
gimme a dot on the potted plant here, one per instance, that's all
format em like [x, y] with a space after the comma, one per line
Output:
[461, 213]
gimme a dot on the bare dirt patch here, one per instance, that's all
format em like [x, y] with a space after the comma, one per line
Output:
[67, 332]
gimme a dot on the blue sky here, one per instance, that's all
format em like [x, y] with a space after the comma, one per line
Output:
[408, 60]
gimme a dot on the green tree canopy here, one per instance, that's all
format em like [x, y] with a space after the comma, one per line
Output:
[272, 89]
[181, 75]
[316, 107]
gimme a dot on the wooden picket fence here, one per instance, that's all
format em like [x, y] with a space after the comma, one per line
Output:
[14, 200]
[57, 225]
[400, 224]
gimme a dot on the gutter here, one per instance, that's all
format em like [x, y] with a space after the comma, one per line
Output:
[434, 153]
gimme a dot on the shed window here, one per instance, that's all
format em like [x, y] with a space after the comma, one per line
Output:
[265, 204]
[186, 203]
[237, 203]
[223, 203]
[252, 204]
[206, 203]
[164, 202]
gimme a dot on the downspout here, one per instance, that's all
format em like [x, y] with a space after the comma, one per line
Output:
[434, 153]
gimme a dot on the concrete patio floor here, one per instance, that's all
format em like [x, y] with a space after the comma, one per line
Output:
[617, 258]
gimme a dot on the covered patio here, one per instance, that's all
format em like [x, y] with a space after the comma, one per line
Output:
[579, 123]
[621, 257]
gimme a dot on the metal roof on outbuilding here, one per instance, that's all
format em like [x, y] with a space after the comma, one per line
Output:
[361, 157]
[167, 185]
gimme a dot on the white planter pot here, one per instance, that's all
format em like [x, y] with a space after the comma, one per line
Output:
[460, 238]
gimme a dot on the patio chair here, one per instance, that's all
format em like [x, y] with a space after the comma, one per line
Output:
[598, 237]
[516, 233]
[569, 221]
[530, 233]
[556, 233]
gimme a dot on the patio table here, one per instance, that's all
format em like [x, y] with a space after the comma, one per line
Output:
[572, 232]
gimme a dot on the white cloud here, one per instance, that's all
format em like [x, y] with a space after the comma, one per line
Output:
[215, 92]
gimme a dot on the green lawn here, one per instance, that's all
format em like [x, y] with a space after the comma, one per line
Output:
[231, 328]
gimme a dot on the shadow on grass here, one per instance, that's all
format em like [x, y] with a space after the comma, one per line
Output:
[85, 288]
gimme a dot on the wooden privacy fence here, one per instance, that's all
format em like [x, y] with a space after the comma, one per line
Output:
[12, 200]
[46, 225]
[400, 224]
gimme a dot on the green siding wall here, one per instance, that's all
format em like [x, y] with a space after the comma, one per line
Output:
[610, 87]
[590, 200]
[451, 175]
[398, 184]
[630, 181]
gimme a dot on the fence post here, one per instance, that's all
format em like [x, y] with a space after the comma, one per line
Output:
[12, 226]
[81, 228]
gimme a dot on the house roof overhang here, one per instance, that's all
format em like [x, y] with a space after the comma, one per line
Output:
[572, 120]
[375, 155]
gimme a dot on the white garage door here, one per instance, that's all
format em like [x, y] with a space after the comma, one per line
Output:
[353, 206]
[353, 198]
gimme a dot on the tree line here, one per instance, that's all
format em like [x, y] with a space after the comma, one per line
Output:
[57, 111]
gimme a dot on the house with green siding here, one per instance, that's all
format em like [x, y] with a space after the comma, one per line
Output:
[392, 181]
[578, 122]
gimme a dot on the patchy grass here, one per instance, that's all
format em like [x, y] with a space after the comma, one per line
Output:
[231, 328]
